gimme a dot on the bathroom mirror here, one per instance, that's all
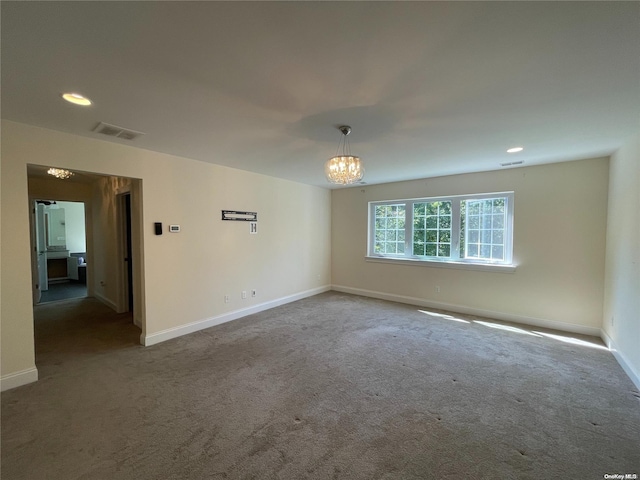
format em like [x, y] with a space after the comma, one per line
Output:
[55, 227]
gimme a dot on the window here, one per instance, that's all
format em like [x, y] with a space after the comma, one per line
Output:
[475, 229]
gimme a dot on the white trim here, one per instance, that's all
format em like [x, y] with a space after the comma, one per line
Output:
[507, 317]
[109, 303]
[18, 379]
[414, 262]
[626, 366]
[175, 332]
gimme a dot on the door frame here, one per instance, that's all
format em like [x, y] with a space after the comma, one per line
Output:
[133, 190]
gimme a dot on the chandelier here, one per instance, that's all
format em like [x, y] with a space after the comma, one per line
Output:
[60, 173]
[344, 169]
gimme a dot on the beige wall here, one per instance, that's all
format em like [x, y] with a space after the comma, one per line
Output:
[185, 275]
[104, 250]
[622, 280]
[559, 244]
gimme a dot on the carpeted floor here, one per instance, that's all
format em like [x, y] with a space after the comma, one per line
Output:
[331, 387]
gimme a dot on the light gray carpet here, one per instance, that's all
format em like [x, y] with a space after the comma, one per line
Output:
[331, 387]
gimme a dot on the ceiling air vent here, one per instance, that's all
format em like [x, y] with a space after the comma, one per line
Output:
[115, 131]
[510, 164]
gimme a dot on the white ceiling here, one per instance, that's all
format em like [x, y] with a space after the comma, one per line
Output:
[430, 88]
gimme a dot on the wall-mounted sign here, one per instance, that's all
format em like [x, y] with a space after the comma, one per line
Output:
[239, 216]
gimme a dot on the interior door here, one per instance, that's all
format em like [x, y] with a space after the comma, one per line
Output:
[41, 249]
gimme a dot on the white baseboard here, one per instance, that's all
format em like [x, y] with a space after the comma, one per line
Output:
[507, 317]
[17, 379]
[626, 366]
[106, 301]
[175, 332]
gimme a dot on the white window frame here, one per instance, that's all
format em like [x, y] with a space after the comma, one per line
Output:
[454, 261]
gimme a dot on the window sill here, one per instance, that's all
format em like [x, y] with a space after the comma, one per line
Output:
[485, 267]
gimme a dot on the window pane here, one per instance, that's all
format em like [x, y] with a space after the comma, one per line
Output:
[389, 229]
[485, 239]
[432, 224]
[444, 251]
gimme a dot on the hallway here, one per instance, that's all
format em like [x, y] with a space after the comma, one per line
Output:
[78, 329]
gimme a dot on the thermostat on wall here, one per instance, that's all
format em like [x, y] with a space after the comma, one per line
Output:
[174, 228]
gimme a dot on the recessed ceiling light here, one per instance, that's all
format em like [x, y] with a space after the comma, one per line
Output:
[76, 99]
[515, 150]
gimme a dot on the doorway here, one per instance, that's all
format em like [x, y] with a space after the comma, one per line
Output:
[112, 249]
[126, 248]
[60, 249]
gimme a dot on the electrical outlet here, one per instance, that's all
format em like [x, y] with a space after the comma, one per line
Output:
[244, 294]
[437, 288]
[227, 299]
[253, 293]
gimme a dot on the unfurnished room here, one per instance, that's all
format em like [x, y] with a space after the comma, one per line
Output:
[320, 240]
